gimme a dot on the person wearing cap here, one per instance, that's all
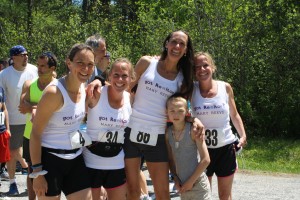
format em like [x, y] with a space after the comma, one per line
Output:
[31, 94]
[98, 44]
[12, 79]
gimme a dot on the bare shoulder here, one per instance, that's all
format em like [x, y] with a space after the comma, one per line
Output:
[142, 64]
[228, 88]
[52, 96]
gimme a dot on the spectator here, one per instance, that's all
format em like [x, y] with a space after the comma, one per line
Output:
[31, 94]
[98, 44]
[12, 79]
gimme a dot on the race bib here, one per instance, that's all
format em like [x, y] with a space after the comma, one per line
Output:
[79, 139]
[145, 136]
[2, 118]
[112, 136]
[214, 137]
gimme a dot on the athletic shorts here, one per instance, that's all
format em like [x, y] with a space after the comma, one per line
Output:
[26, 150]
[17, 132]
[109, 179]
[67, 176]
[156, 153]
[222, 161]
[4, 147]
[200, 190]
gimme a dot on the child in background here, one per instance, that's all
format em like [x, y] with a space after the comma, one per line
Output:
[4, 130]
[188, 170]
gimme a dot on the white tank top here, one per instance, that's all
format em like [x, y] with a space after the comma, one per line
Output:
[214, 114]
[103, 119]
[63, 122]
[149, 107]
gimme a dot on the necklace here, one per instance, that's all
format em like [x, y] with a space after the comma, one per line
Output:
[177, 139]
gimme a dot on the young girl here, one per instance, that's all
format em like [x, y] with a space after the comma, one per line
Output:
[186, 167]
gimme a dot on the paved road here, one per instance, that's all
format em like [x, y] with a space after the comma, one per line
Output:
[247, 186]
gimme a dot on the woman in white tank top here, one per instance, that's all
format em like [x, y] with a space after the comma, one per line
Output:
[213, 103]
[55, 143]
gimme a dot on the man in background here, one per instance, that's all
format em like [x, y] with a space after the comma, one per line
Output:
[98, 44]
[12, 79]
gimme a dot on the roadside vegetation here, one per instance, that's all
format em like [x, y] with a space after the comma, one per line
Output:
[271, 155]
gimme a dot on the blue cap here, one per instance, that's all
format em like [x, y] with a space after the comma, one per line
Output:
[16, 50]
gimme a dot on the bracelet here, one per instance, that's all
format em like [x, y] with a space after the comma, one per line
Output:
[36, 166]
[36, 174]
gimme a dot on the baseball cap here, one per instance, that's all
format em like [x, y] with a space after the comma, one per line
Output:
[16, 50]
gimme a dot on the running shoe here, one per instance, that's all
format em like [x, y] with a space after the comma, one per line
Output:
[4, 176]
[13, 190]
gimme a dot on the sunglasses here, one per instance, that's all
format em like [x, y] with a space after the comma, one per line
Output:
[22, 55]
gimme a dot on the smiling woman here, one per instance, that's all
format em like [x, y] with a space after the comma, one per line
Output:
[56, 142]
[108, 116]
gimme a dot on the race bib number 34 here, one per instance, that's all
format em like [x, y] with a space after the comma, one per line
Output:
[111, 137]
[144, 136]
[79, 139]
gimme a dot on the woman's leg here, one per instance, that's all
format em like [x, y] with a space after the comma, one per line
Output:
[159, 174]
[225, 187]
[82, 194]
[132, 169]
[118, 193]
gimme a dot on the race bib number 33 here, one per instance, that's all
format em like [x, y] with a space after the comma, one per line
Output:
[214, 137]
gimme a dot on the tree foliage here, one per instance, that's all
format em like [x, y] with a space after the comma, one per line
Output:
[255, 43]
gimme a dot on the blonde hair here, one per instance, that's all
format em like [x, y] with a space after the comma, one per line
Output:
[208, 57]
[123, 60]
[177, 97]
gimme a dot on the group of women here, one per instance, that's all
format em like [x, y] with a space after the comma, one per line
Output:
[56, 144]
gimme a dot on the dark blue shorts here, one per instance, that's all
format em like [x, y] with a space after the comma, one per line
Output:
[156, 153]
[222, 161]
[109, 179]
[67, 176]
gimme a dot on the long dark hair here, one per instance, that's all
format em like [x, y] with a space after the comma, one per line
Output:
[185, 64]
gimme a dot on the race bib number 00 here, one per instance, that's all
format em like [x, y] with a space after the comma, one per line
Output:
[2, 118]
[111, 137]
[79, 139]
[144, 136]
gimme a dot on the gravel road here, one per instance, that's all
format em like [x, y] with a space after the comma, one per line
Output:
[248, 185]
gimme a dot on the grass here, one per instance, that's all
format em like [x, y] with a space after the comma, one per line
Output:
[271, 155]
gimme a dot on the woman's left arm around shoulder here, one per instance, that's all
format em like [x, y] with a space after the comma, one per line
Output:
[235, 116]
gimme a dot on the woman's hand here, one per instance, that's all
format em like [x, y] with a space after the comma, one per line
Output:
[93, 88]
[198, 128]
[40, 186]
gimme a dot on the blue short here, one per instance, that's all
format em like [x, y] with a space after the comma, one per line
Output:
[109, 179]
[156, 153]
[222, 161]
[67, 176]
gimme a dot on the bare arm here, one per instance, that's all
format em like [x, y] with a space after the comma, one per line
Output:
[50, 102]
[25, 105]
[235, 116]
[6, 118]
[139, 69]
